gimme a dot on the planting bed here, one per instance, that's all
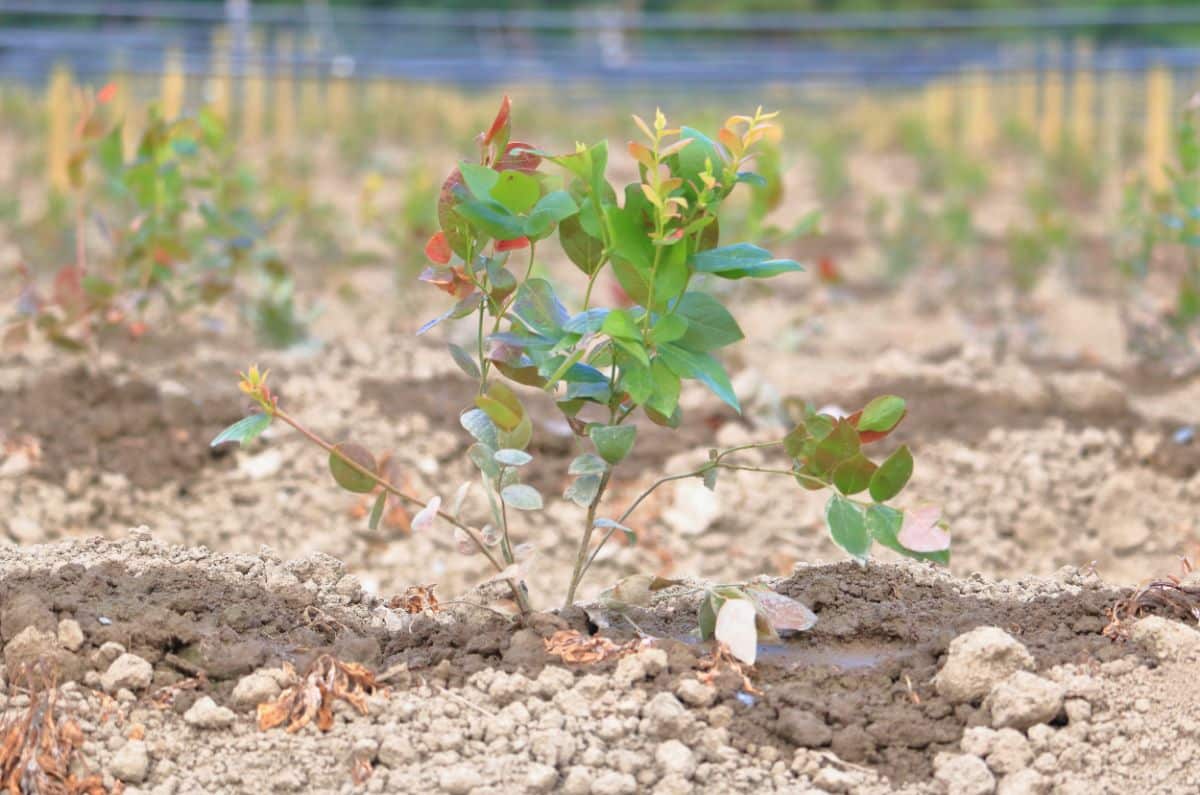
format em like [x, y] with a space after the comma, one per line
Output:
[1049, 452]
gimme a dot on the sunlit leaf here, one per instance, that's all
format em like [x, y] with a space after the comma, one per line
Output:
[583, 490]
[425, 517]
[478, 424]
[922, 532]
[244, 430]
[742, 260]
[521, 496]
[735, 627]
[512, 458]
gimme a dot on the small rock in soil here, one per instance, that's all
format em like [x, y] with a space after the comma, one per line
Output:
[127, 671]
[1022, 782]
[1009, 752]
[131, 763]
[675, 758]
[977, 661]
[963, 774]
[254, 689]
[70, 634]
[205, 714]
[1167, 640]
[803, 728]
[1023, 700]
[695, 693]
[665, 717]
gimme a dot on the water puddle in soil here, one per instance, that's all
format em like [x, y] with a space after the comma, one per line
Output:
[851, 656]
[793, 655]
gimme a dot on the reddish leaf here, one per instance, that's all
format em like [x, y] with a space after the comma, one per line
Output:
[517, 157]
[921, 531]
[500, 122]
[866, 437]
[437, 249]
[107, 94]
[827, 271]
[452, 280]
[512, 245]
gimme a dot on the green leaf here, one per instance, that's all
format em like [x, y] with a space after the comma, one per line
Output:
[854, 474]
[704, 368]
[587, 464]
[554, 207]
[693, 158]
[613, 442]
[709, 324]
[584, 250]
[841, 444]
[665, 396]
[347, 476]
[741, 260]
[707, 617]
[669, 328]
[377, 510]
[892, 474]
[244, 430]
[522, 497]
[588, 322]
[583, 490]
[478, 424]
[491, 218]
[538, 308]
[504, 417]
[512, 458]
[517, 191]
[464, 360]
[611, 524]
[882, 414]
[847, 526]
[484, 458]
[884, 523]
[619, 325]
[479, 179]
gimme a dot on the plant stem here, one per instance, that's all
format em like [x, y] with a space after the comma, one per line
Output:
[581, 557]
[518, 593]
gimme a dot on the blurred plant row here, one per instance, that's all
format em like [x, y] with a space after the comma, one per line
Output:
[120, 216]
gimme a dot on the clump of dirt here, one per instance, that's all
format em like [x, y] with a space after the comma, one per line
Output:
[88, 420]
[473, 698]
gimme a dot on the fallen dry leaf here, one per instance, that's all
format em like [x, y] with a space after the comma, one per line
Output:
[327, 680]
[573, 647]
[416, 599]
[39, 746]
[719, 661]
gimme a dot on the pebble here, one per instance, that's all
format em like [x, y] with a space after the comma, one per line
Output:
[254, 689]
[127, 671]
[977, 661]
[963, 774]
[131, 763]
[459, 780]
[70, 634]
[1023, 700]
[206, 714]
[675, 758]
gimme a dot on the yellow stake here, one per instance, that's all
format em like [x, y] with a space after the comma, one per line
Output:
[174, 86]
[59, 107]
[1083, 99]
[1158, 127]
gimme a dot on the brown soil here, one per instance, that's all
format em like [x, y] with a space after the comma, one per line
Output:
[87, 420]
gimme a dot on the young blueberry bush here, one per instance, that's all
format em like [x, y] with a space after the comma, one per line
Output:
[171, 228]
[605, 365]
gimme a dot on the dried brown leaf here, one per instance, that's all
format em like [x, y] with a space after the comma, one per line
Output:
[327, 680]
[573, 647]
[416, 599]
